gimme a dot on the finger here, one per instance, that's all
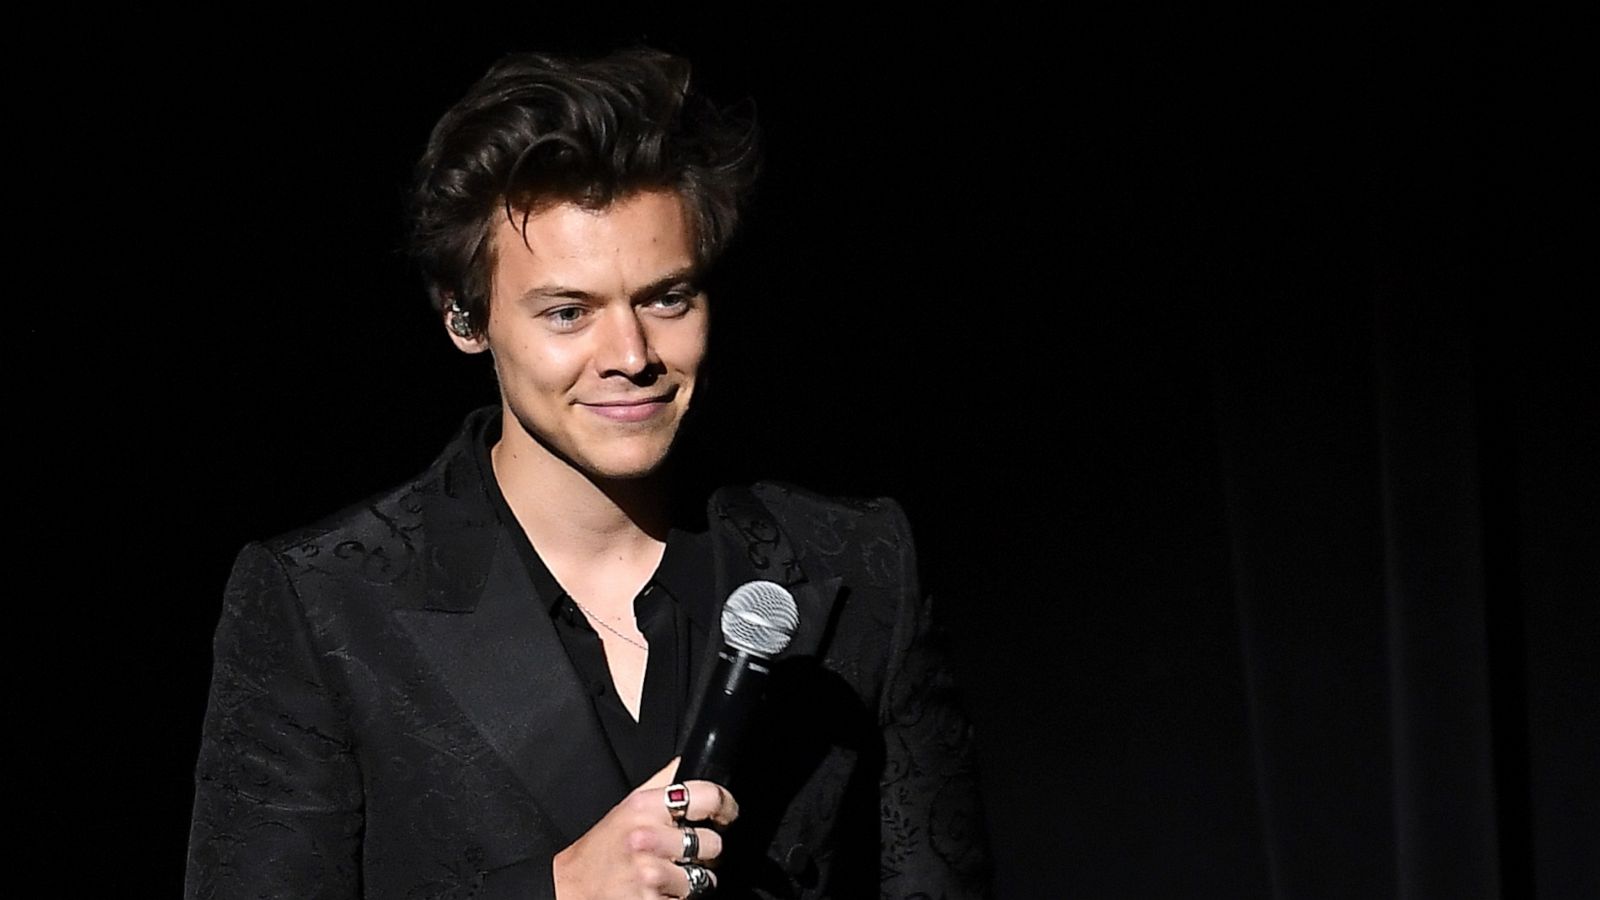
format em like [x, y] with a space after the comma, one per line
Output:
[667, 842]
[680, 881]
[710, 802]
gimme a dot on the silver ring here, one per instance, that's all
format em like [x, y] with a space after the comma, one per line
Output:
[699, 879]
[677, 801]
[691, 845]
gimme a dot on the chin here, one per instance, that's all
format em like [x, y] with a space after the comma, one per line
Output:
[625, 468]
[621, 473]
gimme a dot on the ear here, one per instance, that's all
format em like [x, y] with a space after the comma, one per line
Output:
[466, 344]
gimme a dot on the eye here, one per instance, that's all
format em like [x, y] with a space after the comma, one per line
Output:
[565, 317]
[676, 301]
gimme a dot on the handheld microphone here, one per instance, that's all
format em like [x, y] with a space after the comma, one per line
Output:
[758, 621]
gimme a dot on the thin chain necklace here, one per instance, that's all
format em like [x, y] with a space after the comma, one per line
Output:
[588, 613]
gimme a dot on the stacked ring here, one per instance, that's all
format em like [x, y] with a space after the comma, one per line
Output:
[699, 879]
[677, 801]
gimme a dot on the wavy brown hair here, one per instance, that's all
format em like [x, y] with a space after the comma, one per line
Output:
[539, 129]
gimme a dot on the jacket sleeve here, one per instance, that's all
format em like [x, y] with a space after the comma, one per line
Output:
[932, 829]
[278, 799]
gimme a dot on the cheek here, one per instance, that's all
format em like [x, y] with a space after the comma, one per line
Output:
[534, 385]
[685, 351]
[539, 362]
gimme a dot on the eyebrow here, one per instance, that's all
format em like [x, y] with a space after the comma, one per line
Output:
[561, 292]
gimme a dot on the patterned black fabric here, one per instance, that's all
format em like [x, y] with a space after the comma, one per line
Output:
[389, 717]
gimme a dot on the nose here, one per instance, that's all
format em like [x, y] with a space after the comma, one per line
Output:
[624, 346]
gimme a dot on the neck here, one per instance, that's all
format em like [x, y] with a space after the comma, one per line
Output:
[569, 514]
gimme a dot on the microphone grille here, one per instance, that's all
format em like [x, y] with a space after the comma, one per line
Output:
[760, 617]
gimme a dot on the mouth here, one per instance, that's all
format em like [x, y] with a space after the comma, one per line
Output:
[632, 409]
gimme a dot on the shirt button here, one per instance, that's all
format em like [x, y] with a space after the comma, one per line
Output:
[799, 864]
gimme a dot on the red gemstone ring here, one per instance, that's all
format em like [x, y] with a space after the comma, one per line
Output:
[677, 801]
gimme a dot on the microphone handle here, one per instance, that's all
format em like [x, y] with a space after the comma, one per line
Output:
[712, 747]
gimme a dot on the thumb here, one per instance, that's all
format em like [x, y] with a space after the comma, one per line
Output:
[664, 777]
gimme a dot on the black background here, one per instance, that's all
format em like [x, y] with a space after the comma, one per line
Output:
[1198, 349]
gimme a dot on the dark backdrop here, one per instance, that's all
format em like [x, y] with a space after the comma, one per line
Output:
[1247, 439]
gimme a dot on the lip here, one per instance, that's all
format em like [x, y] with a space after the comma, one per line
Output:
[630, 410]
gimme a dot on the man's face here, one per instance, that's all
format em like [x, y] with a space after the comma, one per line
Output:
[598, 331]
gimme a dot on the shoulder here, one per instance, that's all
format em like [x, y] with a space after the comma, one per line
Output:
[861, 539]
[391, 511]
[807, 511]
[383, 537]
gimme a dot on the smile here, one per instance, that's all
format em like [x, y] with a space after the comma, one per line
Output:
[632, 410]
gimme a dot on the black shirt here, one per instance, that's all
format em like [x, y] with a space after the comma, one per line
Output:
[674, 611]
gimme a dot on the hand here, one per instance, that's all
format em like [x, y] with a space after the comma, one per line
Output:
[632, 852]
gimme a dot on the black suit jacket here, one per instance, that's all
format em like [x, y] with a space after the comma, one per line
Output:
[391, 716]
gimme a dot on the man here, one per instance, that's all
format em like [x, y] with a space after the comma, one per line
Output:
[476, 684]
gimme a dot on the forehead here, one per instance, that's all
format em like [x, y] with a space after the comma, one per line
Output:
[639, 234]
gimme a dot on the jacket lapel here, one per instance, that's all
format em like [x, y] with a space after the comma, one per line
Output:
[484, 631]
[749, 545]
